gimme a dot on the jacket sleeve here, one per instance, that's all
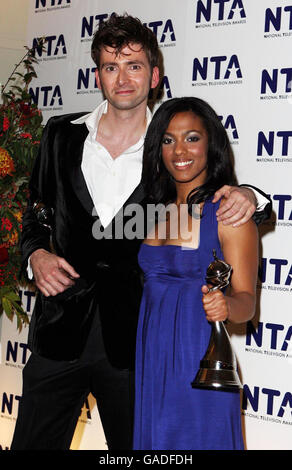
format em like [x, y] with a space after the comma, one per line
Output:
[42, 188]
[261, 215]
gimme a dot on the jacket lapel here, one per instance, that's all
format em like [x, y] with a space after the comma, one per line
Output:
[75, 151]
[136, 197]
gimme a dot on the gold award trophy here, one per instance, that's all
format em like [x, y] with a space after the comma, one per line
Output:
[218, 368]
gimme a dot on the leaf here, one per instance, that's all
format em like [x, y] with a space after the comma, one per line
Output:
[4, 291]
[21, 181]
[17, 88]
[28, 76]
[17, 307]
[13, 296]
[7, 308]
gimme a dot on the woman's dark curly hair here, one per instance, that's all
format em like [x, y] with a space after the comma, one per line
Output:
[158, 183]
[120, 31]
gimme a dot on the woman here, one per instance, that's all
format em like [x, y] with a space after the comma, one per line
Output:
[187, 157]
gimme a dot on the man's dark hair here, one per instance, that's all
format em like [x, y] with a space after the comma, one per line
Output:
[120, 31]
[158, 183]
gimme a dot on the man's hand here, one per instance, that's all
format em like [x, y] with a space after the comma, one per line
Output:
[238, 205]
[52, 274]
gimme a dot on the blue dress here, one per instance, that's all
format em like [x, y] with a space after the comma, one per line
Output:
[173, 335]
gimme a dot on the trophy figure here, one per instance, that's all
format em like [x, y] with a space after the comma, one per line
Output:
[44, 214]
[218, 368]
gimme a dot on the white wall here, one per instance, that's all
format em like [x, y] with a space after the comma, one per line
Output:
[13, 35]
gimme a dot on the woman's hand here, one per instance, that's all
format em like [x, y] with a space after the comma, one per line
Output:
[215, 305]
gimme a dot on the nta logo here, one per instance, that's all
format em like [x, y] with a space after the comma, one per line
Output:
[275, 18]
[90, 24]
[17, 352]
[8, 402]
[54, 45]
[51, 3]
[229, 125]
[268, 141]
[219, 67]
[278, 336]
[283, 206]
[27, 297]
[163, 31]
[47, 95]
[277, 270]
[219, 10]
[275, 402]
[276, 79]
[86, 79]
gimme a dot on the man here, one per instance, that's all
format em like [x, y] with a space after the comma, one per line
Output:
[82, 333]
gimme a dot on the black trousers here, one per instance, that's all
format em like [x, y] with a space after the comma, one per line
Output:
[54, 393]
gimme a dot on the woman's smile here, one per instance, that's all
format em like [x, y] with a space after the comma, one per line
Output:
[182, 165]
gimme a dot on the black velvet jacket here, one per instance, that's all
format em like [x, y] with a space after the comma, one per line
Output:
[108, 268]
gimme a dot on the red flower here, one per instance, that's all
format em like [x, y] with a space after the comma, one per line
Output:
[6, 123]
[6, 223]
[25, 108]
[26, 135]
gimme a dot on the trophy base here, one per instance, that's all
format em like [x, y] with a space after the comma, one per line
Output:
[215, 379]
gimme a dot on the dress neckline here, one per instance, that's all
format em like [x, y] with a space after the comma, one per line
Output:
[184, 246]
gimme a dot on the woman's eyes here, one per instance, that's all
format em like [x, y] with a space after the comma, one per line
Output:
[166, 140]
[191, 138]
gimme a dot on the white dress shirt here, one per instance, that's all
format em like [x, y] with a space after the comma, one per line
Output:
[110, 181]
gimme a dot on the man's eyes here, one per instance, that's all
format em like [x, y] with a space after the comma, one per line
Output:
[112, 68]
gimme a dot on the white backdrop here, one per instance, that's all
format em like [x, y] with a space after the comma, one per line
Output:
[236, 54]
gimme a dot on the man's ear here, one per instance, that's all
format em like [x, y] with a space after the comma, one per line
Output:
[155, 77]
[97, 78]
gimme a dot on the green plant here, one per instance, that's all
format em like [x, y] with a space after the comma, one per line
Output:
[20, 133]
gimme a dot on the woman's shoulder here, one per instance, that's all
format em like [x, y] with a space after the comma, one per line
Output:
[236, 233]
